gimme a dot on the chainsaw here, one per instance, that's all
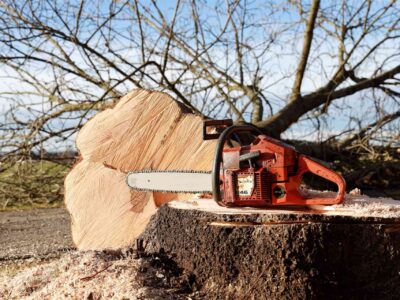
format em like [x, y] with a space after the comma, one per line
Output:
[264, 172]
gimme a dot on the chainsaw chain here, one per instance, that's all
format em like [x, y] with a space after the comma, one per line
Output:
[167, 171]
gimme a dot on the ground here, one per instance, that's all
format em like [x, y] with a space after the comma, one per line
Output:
[38, 261]
[32, 236]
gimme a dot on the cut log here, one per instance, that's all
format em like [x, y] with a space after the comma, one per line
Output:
[345, 251]
[145, 130]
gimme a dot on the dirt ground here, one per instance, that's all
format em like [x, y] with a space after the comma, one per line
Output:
[38, 233]
[38, 261]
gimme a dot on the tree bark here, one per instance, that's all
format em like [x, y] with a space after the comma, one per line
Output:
[349, 252]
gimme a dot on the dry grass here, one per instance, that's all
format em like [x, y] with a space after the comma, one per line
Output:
[32, 184]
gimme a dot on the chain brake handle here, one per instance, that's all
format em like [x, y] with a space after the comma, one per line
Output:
[217, 125]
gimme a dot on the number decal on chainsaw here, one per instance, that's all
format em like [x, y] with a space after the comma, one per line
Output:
[245, 185]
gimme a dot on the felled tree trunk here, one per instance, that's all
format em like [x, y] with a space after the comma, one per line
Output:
[145, 130]
[341, 252]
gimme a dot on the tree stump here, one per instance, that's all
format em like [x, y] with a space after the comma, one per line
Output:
[345, 251]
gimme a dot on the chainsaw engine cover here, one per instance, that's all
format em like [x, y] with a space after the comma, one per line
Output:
[269, 172]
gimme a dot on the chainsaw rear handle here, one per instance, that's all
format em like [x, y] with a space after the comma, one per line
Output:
[223, 138]
[308, 165]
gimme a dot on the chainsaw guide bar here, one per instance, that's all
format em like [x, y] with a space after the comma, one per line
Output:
[170, 181]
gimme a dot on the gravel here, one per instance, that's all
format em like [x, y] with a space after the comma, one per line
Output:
[38, 233]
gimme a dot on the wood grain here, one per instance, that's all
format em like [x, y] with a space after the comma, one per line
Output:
[145, 130]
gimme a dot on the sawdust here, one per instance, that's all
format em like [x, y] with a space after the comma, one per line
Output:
[69, 277]
[355, 204]
[91, 275]
[362, 205]
[358, 205]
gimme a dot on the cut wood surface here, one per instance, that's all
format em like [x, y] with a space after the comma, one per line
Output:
[145, 130]
[336, 252]
[354, 206]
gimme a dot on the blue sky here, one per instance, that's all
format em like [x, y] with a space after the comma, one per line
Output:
[278, 63]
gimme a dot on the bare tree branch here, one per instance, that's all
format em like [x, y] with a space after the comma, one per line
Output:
[308, 38]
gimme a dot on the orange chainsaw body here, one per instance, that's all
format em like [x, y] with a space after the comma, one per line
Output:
[274, 178]
[265, 173]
